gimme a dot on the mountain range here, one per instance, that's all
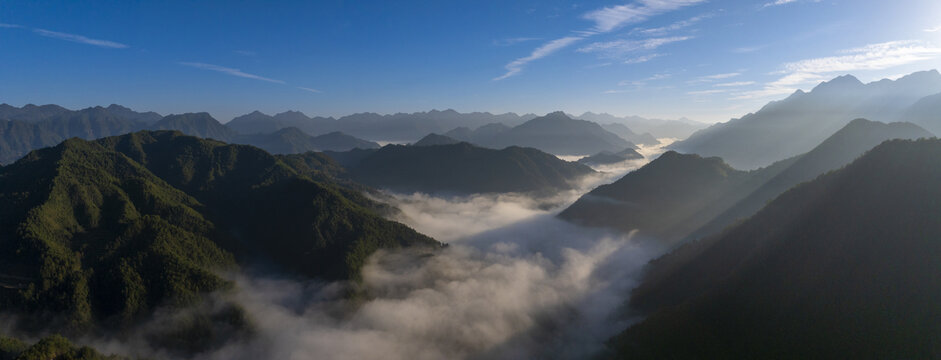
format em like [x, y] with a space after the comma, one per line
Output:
[460, 168]
[841, 266]
[555, 133]
[658, 128]
[100, 233]
[398, 127]
[32, 127]
[678, 196]
[793, 126]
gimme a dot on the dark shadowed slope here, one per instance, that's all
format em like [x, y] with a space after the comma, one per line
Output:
[667, 198]
[681, 200]
[461, 168]
[796, 124]
[844, 266]
[840, 149]
[435, 139]
[105, 231]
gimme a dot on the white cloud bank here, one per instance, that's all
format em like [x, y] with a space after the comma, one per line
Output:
[878, 56]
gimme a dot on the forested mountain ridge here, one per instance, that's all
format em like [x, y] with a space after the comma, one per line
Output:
[102, 232]
[839, 266]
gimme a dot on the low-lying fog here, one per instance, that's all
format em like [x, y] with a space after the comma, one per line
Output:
[515, 282]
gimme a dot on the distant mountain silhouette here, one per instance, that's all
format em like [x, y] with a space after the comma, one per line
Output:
[926, 113]
[104, 232]
[625, 133]
[796, 124]
[395, 127]
[607, 157]
[435, 139]
[839, 267]
[555, 133]
[677, 197]
[460, 169]
[196, 124]
[677, 129]
[33, 127]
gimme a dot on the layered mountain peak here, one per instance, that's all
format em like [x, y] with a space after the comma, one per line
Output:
[840, 83]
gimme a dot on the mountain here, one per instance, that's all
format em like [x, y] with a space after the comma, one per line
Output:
[435, 139]
[413, 126]
[196, 124]
[394, 127]
[677, 197]
[149, 117]
[555, 133]
[838, 150]
[926, 113]
[260, 123]
[796, 124]
[479, 135]
[607, 157]
[100, 233]
[460, 168]
[666, 199]
[33, 127]
[842, 266]
[292, 140]
[625, 133]
[677, 129]
[338, 141]
[30, 112]
[255, 122]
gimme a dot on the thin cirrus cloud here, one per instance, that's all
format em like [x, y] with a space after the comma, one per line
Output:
[606, 19]
[618, 48]
[642, 59]
[934, 29]
[878, 56]
[9, 26]
[80, 39]
[309, 89]
[679, 25]
[229, 71]
[514, 41]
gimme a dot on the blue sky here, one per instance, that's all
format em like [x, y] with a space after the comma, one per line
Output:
[708, 60]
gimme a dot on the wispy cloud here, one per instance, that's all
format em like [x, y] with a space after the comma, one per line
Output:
[748, 49]
[79, 39]
[606, 19]
[784, 2]
[229, 71]
[614, 17]
[514, 41]
[707, 92]
[934, 29]
[736, 84]
[546, 49]
[618, 48]
[674, 26]
[711, 78]
[879, 56]
[644, 81]
[9, 26]
[642, 59]
[309, 89]
[245, 52]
